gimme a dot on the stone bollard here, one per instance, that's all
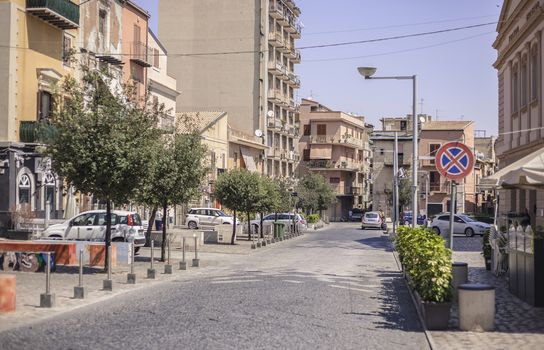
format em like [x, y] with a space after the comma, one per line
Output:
[131, 277]
[459, 271]
[47, 299]
[476, 307]
[183, 262]
[79, 290]
[7, 293]
[151, 273]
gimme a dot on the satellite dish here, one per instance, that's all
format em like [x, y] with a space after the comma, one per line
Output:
[270, 114]
[259, 133]
[422, 119]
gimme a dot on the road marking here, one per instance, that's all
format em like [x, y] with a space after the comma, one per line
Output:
[292, 281]
[231, 277]
[356, 289]
[361, 285]
[235, 281]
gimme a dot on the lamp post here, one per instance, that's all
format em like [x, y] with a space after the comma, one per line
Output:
[368, 73]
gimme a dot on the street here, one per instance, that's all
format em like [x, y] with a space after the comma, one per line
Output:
[335, 288]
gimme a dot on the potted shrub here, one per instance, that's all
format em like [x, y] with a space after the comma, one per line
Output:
[312, 220]
[486, 249]
[427, 265]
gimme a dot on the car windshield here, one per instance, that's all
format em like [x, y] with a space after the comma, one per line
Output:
[371, 215]
[467, 218]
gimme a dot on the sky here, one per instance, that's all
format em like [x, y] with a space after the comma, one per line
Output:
[456, 78]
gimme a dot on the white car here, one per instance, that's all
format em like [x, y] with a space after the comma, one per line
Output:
[198, 217]
[462, 224]
[126, 226]
[285, 218]
[372, 219]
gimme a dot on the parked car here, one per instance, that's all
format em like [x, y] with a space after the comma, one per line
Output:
[462, 224]
[356, 215]
[372, 219]
[197, 217]
[126, 226]
[285, 218]
[407, 218]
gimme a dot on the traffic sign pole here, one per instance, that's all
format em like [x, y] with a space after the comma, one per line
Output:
[453, 194]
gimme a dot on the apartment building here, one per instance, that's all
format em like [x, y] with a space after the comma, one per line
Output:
[432, 136]
[521, 112]
[37, 38]
[253, 79]
[485, 164]
[337, 146]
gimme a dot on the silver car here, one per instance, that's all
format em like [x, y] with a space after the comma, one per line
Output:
[126, 226]
[372, 219]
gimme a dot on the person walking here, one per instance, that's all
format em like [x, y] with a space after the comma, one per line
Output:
[158, 220]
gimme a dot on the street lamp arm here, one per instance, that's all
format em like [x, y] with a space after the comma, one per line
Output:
[401, 77]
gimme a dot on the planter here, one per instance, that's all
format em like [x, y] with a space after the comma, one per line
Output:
[20, 235]
[435, 315]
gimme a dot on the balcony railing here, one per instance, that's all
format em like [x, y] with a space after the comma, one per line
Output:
[348, 141]
[277, 10]
[34, 131]
[63, 14]
[274, 124]
[140, 53]
[275, 39]
[296, 57]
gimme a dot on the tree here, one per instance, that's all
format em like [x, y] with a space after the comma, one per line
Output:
[239, 191]
[314, 193]
[405, 194]
[101, 139]
[269, 199]
[175, 175]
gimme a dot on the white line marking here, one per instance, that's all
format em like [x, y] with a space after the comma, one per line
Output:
[356, 289]
[235, 281]
[292, 281]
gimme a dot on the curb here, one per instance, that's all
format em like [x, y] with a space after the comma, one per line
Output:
[428, 335]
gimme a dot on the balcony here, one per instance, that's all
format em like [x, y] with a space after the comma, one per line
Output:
[277, 10]
[275, 68]
[274, 124]
[342, 165]
[295, 56]
[294, 80]
[273, 152]
[275, 39]
[347, 141]
[33, 131]
[62, 14]
[341, 190]
[140, 54]
[275, 95]
[285, 47]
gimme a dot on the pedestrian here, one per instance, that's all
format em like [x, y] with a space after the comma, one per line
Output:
[158, 220]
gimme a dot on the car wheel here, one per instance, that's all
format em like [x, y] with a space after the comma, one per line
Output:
[469, 232]
[436, 230]
[192, 225]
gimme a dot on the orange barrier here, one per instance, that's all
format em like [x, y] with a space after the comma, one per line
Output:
[7, 293]
[65, 253]
[97, 255]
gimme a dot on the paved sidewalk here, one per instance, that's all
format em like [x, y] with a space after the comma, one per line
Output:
[31, 285]
[518, 325]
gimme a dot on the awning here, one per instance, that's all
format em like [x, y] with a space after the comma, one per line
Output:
[529, 173]
[321, 152]
[248, 159]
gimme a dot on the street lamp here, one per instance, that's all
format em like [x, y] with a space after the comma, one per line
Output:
[368, 73]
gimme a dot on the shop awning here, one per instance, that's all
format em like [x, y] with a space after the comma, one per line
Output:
[529, 173]
[248, 159]
[321, 152]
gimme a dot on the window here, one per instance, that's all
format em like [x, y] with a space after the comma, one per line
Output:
[321, 129]
[434, 181]
[66, 49]
[458, 219]
[306, 155]
[515, 91]
[45, 105]
[403, 125]
[307, 130]
[84, 220]
[24, 189]
[102, 21]
[334, 180]
[400, 158]
[524, 82]
[444, 218]
[534, 74]
[433, 148]
[156, 58]
[102, 219]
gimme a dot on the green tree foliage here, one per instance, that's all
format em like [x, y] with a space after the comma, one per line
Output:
[102, 139]
[238, 190]
[269, 199]
[314, 193]
[176, 172]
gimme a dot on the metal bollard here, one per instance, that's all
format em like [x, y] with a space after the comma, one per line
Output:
[131, 277]
[107, 284]
[253, 245]
[151, 273]
[47, 299]
[183, 263]
[168, 266]
[79, 290]
[196, 261]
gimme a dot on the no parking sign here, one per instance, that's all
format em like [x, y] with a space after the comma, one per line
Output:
[454, 160]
